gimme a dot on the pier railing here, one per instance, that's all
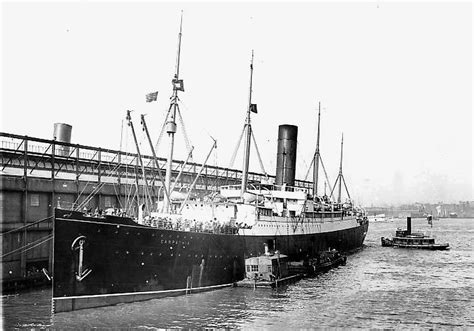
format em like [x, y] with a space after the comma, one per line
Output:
[29, 156]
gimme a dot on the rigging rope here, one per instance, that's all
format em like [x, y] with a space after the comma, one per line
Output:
[236, 149]
[25, 226]
[146, 191]
[258, 154]
[309, 169]
[157, 145]
[94, 191]
[347, 191]
[325, 173]
[186, 138]
[26, 248]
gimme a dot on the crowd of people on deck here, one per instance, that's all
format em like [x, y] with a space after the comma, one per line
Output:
[97, 212]
[211, 226]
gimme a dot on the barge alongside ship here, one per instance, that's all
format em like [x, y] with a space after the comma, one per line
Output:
[193, 246]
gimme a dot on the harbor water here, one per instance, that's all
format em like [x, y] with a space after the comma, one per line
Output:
[379, 287]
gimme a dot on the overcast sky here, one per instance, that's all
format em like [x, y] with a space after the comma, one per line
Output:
[395, 78]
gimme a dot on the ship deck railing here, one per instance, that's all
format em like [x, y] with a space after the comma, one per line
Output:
[266, 188]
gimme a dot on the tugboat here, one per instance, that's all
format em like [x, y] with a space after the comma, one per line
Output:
[407, 239]
[268, 270]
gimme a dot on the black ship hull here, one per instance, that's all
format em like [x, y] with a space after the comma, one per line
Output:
[100, 262]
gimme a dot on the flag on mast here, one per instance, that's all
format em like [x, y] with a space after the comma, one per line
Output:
[253, 107]
[151, 96]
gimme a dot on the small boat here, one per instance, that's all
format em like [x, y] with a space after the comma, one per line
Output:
[328, 260]
[407, 239]
[324, 261]
[378, 218]
[268, 270]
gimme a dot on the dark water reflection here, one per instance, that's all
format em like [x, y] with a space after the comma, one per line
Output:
[378, 288]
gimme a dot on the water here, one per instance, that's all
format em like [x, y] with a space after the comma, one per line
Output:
[380, 287]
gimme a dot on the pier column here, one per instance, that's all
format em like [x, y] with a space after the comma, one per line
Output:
[24, 212]
[52, 202]
[119, 182]
[205, 178]
[99, 180]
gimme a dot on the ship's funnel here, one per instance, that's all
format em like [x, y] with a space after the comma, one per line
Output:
[286, 155]
[408, 225]
[62, 133]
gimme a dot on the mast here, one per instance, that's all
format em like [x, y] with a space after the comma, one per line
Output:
[145, 128]
[316, 159]
[130, 123]
[340, 177]
[248, 134]
[171, 123]
[340, 171]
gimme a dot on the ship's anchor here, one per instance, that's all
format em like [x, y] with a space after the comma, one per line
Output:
[78, 244]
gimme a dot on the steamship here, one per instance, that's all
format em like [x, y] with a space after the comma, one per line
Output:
[193, 246]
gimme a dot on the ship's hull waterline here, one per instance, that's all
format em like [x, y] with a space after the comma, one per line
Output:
[110, 261]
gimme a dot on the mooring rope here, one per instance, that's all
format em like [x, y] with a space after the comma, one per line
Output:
[25, 226]
[26, 248]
